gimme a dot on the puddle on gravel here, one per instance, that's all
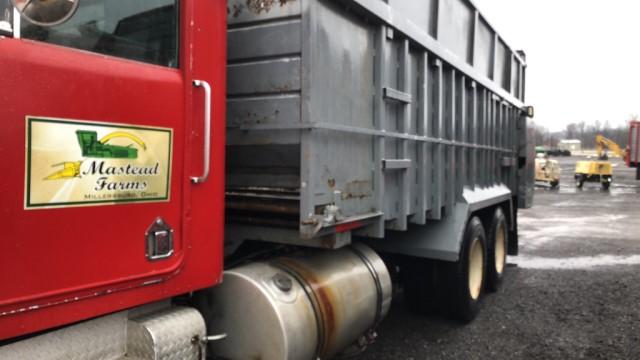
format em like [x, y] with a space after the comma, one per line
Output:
[589, 188]
[571, 220]
[535, 233]
[574, 263]
[615, 190]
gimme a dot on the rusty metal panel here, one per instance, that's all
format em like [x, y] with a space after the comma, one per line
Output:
[243, 11]
[265, 39]
[341, 80]
[259, 77]
[246, 112]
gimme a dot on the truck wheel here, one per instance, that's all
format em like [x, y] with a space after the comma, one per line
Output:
[554, 184]
[605, 185]
[579, 182]
[466, 276]
[497, 240]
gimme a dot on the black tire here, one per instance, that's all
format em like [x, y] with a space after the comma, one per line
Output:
[579, 182]
[463, 304]
[497, 248]
[605, 185]
[554, 184]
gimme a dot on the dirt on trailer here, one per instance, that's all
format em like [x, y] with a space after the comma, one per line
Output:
[573, 293]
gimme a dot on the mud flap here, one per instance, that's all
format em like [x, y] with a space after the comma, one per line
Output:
[513, 245]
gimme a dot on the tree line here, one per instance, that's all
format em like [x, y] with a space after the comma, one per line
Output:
[585, 132]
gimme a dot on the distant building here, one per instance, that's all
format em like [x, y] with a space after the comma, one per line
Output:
[571, 145]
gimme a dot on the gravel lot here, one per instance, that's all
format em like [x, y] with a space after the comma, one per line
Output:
[573, 293]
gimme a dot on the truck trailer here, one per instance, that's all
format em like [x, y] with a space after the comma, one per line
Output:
[253, 179]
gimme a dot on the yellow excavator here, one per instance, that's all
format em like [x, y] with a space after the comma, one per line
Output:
[600, 170]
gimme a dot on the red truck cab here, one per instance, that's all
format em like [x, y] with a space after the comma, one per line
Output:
[105, 203]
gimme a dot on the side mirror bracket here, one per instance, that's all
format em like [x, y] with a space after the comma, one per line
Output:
[7, 18]
[45, 13]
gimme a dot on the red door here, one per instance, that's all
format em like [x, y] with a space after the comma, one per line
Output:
[101, 133]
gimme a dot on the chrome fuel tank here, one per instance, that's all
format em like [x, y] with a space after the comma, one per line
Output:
[301, 307]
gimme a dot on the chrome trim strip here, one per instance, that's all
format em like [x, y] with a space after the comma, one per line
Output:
[16, 23]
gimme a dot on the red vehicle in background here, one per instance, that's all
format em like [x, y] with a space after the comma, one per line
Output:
[633, 152]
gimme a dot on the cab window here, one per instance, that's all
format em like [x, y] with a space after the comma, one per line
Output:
[145, 31]
[6, 17]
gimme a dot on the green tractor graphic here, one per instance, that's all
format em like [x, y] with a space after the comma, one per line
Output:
[94, 148]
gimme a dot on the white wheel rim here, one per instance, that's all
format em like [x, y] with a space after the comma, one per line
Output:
[500, 248]
[476, 268]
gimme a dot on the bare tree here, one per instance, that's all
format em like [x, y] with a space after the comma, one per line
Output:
[586, 132]
[582, 125]
[571, 131]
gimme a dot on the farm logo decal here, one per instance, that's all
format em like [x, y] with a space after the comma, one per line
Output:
[95, 163]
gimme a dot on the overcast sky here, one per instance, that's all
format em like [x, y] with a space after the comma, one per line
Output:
[583, 56]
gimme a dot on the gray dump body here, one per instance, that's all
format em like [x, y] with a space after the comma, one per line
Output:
[357, 116]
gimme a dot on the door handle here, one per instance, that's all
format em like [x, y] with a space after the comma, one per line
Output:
[207, 131]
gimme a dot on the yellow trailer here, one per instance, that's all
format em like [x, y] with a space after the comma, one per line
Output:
[601, 170]
[594, 171]
[547, 171]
